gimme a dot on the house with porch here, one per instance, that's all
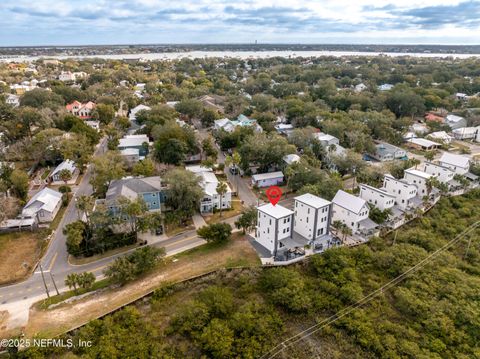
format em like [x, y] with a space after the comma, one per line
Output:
[211, 200]
[44, 205]
[82, 110]
[67, 165]
[274, 227]
[353, 212]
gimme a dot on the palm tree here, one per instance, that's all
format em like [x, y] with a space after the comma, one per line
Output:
[337, 225]
[72, 280]
[289, 172]
[221, 189]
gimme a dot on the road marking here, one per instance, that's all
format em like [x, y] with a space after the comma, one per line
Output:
[53, 261]
[177, 242]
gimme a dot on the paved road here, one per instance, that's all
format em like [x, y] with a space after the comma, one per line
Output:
[17, 298]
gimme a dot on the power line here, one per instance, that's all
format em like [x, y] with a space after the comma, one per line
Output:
[347, 310]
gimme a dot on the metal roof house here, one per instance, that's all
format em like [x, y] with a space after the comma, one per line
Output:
[387, 152]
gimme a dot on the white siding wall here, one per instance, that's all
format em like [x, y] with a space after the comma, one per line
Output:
[419, 182]
[304, 221]
[376, 198]
[403, 192]
[457, 169]
[349, 218]
[443, 174]
[267, 227]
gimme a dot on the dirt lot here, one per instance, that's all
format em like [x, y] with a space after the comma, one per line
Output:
[19, 252]
[186, 265]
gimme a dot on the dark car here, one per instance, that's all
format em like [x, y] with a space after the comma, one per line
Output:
[159, 231]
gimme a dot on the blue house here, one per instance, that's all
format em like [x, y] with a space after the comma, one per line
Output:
[150, 189]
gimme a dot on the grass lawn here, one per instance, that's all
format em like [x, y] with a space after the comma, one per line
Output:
[186, 265]
[19, 252]
[232, 212]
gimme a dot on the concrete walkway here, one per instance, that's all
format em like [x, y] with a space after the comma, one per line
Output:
[198, 221]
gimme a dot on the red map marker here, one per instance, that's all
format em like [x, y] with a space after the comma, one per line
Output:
[274, 194]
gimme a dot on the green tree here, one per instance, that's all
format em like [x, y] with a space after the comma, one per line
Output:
[145, 168]
[208, 117]
[65, 175]
[75, 233]
[132, 210]
[104, 113]
[190, 107]
[217, 339]
[19, 181]
[222, 188]
[248, 220]
[184, 192]
[72, 281]
[86, 280]
[105, 169]
[216, 232]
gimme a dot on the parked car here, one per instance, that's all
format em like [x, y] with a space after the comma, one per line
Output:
[159, 231]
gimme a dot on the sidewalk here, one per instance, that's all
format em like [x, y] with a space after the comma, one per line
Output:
[198, 221]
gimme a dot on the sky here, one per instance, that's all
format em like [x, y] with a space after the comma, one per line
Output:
[89, 22]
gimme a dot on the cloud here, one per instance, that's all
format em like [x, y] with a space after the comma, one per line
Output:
[140, 21]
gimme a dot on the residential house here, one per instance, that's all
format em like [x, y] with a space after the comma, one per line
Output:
[353, 212]
[68, 165]
[405, 193]
[312, 216]
[431, 117]
[66, 76]
[387, 152]
[441, 136]
[422, 144]
[139, 143]
[284, 128]
[267, 179]
[385, 87]
[93, 124]
[441, 173]
[224, 124]
[134, 111]
[44, 205]
[360, 87]
[149, 189]
[457, 163]
[455, 121]
[82, 110]
[13, 100]
[274, 227]
[418, 178]
[376, 197]
[465, 133]
[292, 158]
[213, 102]
[211, 200]
[419, 128]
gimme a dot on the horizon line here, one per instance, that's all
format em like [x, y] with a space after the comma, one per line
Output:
[242, 43]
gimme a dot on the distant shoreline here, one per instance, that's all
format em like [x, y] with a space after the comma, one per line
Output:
[234, 54]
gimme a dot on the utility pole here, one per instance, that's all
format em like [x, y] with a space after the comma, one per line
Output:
[43, 278]
[54, 284]
[395, 238]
